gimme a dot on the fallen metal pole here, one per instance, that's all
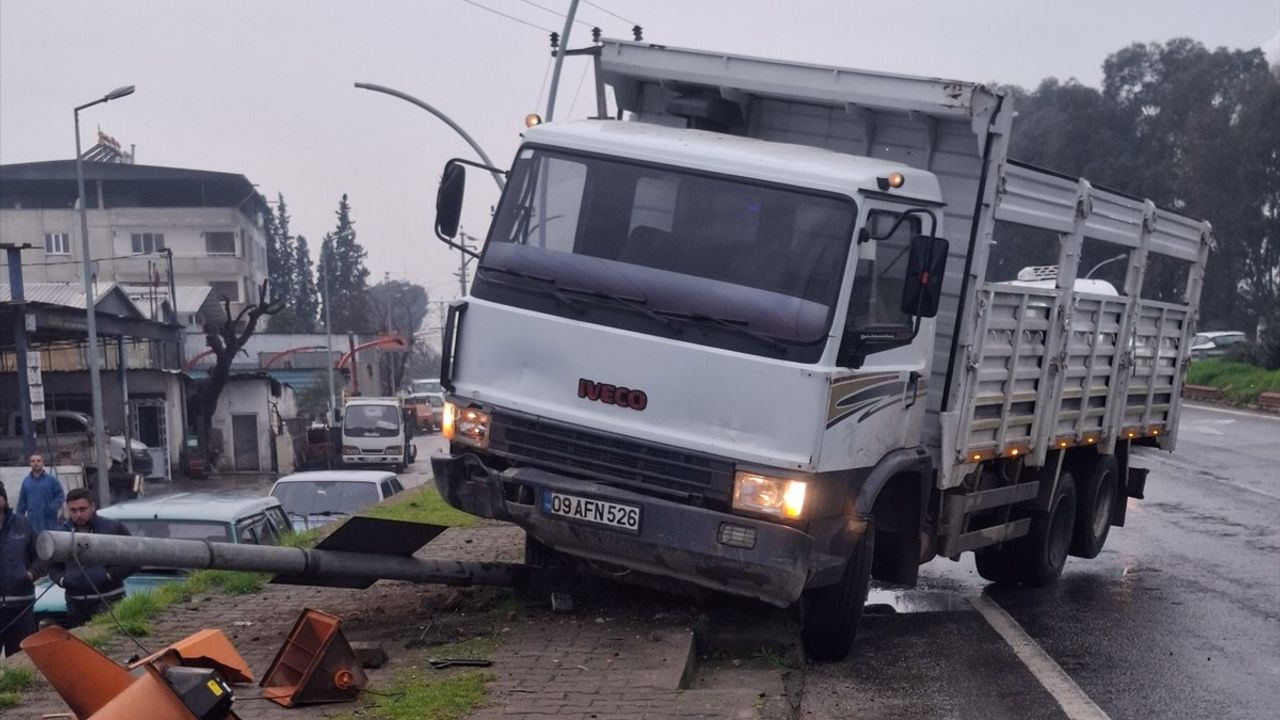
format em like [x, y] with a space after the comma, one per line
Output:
[121, 550]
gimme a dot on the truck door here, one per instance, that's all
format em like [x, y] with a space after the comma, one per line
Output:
[875, 304]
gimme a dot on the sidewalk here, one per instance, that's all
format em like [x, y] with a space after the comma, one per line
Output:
[626, 654]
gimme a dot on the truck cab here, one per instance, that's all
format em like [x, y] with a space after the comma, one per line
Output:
[644, 292]
[374, 434]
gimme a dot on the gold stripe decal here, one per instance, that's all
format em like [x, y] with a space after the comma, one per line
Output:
[860, 392]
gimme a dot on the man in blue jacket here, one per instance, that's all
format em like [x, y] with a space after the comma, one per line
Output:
[91, 589]
[40, 498]
[19, 568]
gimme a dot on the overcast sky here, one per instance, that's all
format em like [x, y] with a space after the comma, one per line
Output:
[265, 88]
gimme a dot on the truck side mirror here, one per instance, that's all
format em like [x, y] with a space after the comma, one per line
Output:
[453, 184]
[926, 269]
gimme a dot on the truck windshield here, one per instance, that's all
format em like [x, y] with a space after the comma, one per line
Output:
[750, 266]
[371, 421]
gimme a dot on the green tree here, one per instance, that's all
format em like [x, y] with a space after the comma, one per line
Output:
[281, 269]
[397, 307]
[306, 301]
[1194, 130]
[342, 260]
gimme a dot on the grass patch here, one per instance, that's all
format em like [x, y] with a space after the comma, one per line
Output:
[9, 700]
[422, 505]
[415, 696]
[1239, 382]
[301, 538]
[16, 679]
[133, 614]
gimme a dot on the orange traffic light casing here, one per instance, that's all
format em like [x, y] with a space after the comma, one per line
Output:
[210, 648]
[315, 665]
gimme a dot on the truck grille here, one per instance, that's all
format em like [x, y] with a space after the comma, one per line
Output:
[610, 458]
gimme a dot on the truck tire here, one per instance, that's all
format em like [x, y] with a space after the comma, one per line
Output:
[1037, 558]
[829, 615]
[1093, 512]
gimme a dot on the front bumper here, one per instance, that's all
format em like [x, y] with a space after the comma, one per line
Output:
[372, 459]
[674, 539]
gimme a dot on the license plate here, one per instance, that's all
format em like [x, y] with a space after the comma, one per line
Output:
[600, 512]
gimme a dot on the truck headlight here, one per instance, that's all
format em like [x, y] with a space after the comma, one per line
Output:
[779, 497]
[466, 425]
[393, 450]
[350, 450]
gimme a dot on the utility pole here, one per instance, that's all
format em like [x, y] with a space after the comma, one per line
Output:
[463, 260]
[328, 339]
[17, 295]
[564, 45]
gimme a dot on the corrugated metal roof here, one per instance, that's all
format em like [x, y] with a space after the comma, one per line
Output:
[63, 294]
[190, 299]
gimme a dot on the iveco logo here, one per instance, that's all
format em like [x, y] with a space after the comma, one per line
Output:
[612, 394]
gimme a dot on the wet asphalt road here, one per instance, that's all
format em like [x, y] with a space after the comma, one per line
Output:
[1179, 617]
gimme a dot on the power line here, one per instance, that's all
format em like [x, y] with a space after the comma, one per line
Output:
[557, 13]
[509, 17]
[610, 12]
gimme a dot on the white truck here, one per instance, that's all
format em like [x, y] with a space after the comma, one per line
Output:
[66, 437]
[716, 334]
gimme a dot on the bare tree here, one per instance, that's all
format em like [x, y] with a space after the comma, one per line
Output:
[227, 339]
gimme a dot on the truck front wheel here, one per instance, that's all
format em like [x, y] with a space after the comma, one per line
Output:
[829, 615]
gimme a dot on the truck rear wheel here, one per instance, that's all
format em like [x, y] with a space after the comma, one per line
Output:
[829, 615]
[1093, 515]
[1038, 557]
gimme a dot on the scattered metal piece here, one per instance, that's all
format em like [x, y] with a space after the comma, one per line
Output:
[441, 663]
[561, 602]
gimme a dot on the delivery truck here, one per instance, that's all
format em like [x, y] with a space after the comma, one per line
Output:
[776, 329]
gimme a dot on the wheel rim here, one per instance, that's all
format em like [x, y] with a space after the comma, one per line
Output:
[1102, 505]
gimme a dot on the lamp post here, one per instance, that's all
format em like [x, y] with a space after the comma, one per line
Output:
[447, 120]
[95, 382]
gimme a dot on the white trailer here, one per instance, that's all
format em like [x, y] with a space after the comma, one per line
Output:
[751, 328]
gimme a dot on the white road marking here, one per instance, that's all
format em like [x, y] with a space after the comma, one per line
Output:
[1074, 702]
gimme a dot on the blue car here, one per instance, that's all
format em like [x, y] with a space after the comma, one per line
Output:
[250, 519]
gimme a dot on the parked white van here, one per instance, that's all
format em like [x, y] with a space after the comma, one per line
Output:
[373, 434]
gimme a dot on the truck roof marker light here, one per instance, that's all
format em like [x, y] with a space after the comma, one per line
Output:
[532, 119]
[893, 180]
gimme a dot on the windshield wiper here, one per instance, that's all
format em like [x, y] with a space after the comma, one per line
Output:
[553, 289]
[640, 305]
[731, 324]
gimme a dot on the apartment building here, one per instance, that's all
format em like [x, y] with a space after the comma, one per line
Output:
[145, 223]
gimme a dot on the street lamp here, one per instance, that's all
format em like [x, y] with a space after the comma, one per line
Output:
[447, 120]
[95, 382]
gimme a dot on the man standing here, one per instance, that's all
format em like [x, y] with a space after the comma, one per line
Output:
[40, 498]
[91, 589]
[19, 568]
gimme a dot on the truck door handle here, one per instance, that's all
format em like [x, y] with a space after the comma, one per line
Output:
[913, 386]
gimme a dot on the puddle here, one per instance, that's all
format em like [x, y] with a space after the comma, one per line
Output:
[897, 602]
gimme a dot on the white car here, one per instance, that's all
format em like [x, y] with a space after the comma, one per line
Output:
[1215, 344]
[312, 499]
